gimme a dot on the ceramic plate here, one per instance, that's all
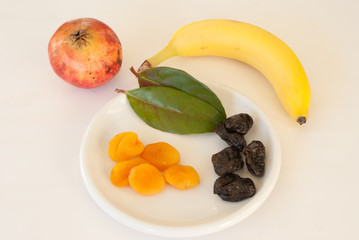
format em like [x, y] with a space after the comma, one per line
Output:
[175, 213]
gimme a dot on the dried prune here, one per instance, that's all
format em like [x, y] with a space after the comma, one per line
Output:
[240, 123]
[231, 138]
[255, 155]
[227, 161]
[231, 187]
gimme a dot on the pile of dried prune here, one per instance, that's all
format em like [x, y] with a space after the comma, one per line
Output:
[230, 186]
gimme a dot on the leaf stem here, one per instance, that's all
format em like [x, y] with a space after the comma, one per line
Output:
[134, 72]
[120, 91]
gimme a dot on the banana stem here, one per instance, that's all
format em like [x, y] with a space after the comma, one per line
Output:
[161, 56]
[144, 66]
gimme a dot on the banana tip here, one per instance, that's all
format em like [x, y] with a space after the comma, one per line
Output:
[301, 120]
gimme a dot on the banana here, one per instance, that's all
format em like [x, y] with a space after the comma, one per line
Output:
[249, 44]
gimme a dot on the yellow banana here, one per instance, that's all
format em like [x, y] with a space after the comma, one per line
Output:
[250, 44]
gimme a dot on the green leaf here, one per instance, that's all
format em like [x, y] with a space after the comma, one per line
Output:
[178, 79]
[172, 110]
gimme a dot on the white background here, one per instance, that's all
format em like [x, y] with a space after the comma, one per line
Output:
[43, 119]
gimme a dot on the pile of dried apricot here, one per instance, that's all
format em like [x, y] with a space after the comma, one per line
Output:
[147, 169]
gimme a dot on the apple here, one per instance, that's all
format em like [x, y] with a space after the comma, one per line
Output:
[85, 52]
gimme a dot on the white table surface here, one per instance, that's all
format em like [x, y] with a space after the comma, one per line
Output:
[43, 119]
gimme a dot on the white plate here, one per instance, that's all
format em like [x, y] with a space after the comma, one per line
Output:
[174, 213]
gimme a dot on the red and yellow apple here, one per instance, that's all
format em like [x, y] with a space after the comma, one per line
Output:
[85, 52]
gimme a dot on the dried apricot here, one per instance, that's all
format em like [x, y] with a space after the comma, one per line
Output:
[181, 177]
[124, 146]
[113, 144]
[146, 179]
[121, 171]
[161, 155]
